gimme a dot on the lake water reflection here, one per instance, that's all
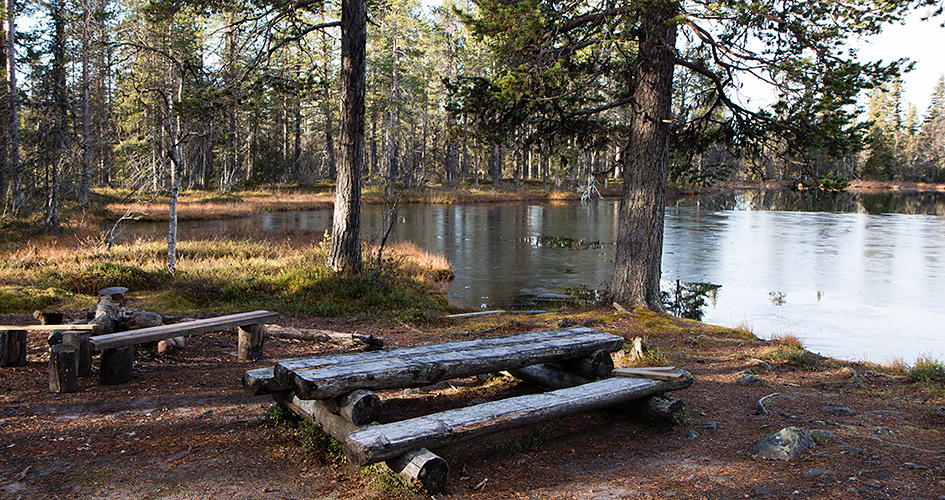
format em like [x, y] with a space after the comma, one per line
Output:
[841, 272]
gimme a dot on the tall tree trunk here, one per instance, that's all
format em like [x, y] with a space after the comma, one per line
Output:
[646, 160]
[345, 250]
[61, 107]
[176, 168]
[14, 194]
[327, 106]
[85, 170]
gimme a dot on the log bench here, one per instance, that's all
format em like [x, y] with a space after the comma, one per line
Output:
[335, 391]
[13, 340]
[118, 348]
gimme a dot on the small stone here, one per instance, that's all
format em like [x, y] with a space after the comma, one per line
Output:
[872, 483]
[908, 465]
[762, 491]
[852, 451]
[710, 425]
[166, 347]
[840, 410]
[816, 473]
[692, 435]
[749, 380]
[114, 290]
[876, 474]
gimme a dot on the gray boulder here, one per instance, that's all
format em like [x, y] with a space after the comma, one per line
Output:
[783, 445]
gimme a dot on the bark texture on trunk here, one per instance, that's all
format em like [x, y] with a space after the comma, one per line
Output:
[345, 251]
[646, 163]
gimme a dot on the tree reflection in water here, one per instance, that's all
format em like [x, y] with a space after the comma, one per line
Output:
[686, 300]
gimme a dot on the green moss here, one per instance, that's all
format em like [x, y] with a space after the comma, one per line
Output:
[23, 299]
[797, 356]
[90, 279]
[322, 447]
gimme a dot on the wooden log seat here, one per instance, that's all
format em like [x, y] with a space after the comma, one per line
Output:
[115, 363]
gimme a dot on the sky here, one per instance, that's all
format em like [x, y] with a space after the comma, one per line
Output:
[920, 41]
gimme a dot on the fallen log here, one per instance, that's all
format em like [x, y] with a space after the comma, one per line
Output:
[347, 340]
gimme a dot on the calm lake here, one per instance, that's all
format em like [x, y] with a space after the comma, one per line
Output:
[856, 277]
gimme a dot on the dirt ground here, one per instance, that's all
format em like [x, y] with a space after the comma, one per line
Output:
[184, 429]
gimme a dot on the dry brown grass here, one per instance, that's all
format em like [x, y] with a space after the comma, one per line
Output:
[245, 205]
[788, 340]
[865, 185]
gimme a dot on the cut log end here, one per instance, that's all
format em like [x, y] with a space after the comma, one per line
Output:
[422, 469]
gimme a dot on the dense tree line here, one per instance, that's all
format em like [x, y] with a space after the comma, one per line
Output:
[902, 145]
[163, 95]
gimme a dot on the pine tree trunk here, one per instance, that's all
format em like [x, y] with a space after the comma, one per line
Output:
[13, 194]
[646, 160]
[345, 249]
[85, 169]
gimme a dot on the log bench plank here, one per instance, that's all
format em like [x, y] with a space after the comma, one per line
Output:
[85, 327]
[156, 333]
[425, 365]
[382, 442]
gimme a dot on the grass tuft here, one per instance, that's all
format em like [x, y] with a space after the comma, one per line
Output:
[789, 340]
[927, 371]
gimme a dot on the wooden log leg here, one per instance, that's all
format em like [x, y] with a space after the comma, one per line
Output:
[315, 411]
[251, 339]
[4, 336]
[116, 365]
[63, 369]
[80, 341]
[422, 469]
[598, 365]
[13, 348]
[360, 407]
[663, 410]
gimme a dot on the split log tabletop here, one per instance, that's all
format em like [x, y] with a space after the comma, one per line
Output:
[326, 389]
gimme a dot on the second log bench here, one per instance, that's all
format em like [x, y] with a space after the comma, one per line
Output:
[334, 391]
[118, 348]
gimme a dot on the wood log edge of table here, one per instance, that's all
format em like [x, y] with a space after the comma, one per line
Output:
[382, 442]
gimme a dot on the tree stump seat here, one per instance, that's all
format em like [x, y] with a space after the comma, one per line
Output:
[319, 387]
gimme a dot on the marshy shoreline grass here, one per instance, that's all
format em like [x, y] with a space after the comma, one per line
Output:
[286, 272]
[282, 271]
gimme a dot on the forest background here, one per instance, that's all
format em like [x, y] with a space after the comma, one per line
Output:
[115, 92]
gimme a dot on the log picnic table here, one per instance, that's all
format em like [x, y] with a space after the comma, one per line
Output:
[335, 391]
